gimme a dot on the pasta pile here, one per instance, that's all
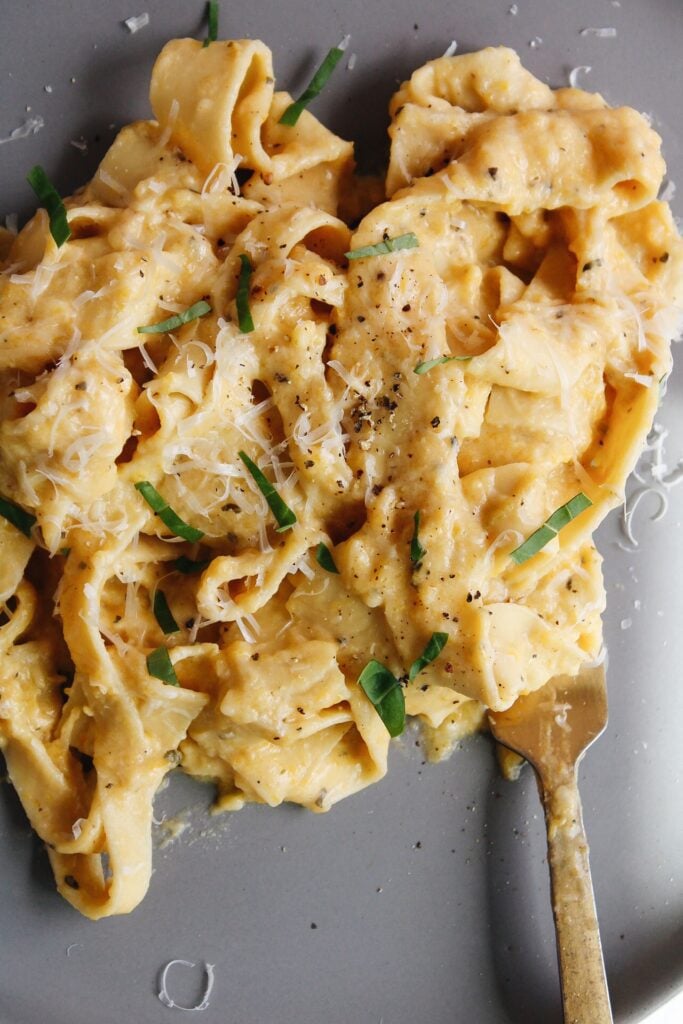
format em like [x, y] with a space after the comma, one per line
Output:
[479, 356]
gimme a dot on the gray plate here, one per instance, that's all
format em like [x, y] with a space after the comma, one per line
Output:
[425, 897]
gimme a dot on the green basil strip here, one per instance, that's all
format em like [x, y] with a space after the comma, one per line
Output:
[170, 518]
[187, 565]
[212, 18]
[564, 515]
[284, 515]
[551, 527]
[417, 552]
[15, 515]
[160, 666]
[243, 312]
[200, 308]
[533, 544]
[408, 241]
[429, 364]
[385, 693]
[163, 614]
[317, 83]
[49, 198]
[432, 651]
[323, 557]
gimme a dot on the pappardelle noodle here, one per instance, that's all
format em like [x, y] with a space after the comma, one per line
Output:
[271, 482]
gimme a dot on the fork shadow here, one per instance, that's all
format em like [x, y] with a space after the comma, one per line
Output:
[519, 909]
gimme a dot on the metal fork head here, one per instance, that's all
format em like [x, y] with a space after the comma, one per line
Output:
[554, 725]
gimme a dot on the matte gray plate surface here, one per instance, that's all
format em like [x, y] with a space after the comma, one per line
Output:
[425, 897]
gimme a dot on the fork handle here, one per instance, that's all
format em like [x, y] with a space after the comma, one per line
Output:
[585, 997]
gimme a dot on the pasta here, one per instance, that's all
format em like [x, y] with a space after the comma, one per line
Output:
[210, 532]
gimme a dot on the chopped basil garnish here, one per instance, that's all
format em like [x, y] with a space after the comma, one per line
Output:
[187, 565]
[160, 666]
[284, 515]
[170, 518]
[385, 692]
[408, 241]
[212, 18]
[318, 82]
[15, 515]
[323, 557]
[432, 651]
[49, 198]
[243, 312]
[200, 308]
[551, 527]
[163, 614]
[429, 364]
[417, 552]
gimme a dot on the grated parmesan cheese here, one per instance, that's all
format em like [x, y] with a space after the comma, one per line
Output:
[561, 716]
[198, 624]
[632, 503]
[77, 827]
[283, 629]
[247, 635]
[630, 311]
[215, 182]
[163, 991]
[451, 48]
[30, 126]
[507, 538]
[646, 379]
[88, 295]
[248, 424]
[81, 451]
[120, 327]
[575, 72]
[303, 566]
[170, 307]
[170, 124]
[116, 186]
[600, 658]
[264, 543]
[90, 594]
[136, 22]
[599, 33]
[353, 383]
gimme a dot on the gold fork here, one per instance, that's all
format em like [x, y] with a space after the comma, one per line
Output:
[552, 728]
